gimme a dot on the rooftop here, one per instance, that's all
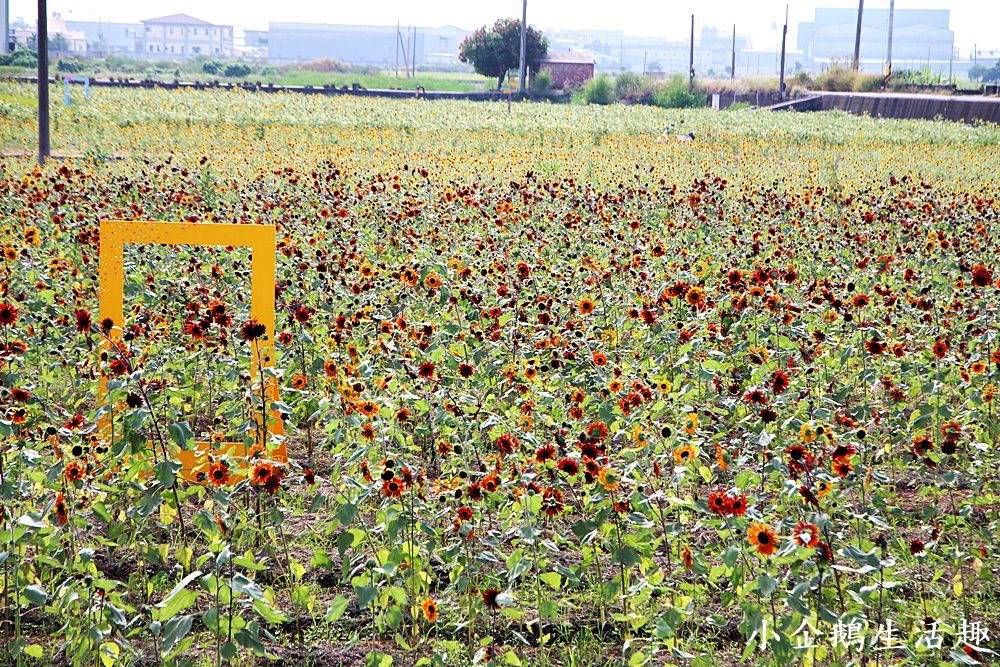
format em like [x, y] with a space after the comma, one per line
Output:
[576, 57]
[178, 19]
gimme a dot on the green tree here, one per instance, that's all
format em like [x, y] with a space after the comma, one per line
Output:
[494, 51]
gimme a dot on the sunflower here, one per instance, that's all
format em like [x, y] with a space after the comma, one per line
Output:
[62, 513]
[465, 514]
[260, 473]
[685, 454]
[807, 432]
[433, 280]
[690, 423]
[299, 382]
[806, 534]
[218, 473]
[252, 330]
[608, 478]
[74, 471]
[695, 297]
[393, 488]
[491, 598]
[600, 359]
[763, 538]
[430, 609]
[466, 370]
[8, 314]
[586, 306]
[687, 558]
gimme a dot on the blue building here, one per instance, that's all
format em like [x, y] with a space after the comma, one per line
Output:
[920, 38]
[362, 44]
[106, 38]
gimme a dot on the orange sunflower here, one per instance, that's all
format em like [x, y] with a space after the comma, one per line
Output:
[763, 538]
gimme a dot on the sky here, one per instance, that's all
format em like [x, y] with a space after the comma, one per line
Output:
[974, 21]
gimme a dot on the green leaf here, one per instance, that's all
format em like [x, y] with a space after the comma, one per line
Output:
[181, 433]
[36, 595]
[346, 513]
[366, 594]
[337, 608]
[33, 651]
[627, 556]
[179, 599]
[174, 631]
[766, 584]
[552, 579]
[269, 613]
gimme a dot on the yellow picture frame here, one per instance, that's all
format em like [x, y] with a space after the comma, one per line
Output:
[115, 234]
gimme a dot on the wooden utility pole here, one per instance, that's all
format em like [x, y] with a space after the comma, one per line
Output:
[42, 44]
[888, 53]
[732, 67]
[522, 65]
[691, 60]
[397, 49]
[856, 63]
[781, 76]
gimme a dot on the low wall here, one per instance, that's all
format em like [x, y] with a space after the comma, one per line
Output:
[962, 109]
[271, 88]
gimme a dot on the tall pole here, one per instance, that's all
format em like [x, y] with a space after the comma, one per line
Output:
[691, 60]
[397, 49]
[732, 67]
[856, 63]
[784, 36]
[888, 54]
[413, 51]
[522, 65]
[42, 43]
[5, 25]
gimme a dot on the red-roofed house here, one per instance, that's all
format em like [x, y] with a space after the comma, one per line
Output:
[569, 69]
[183, 36]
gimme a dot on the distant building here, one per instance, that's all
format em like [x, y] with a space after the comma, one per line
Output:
[920, 38]
[364, 44]
[182, 36]
[63, 41]
[105, 38]
[570, 69]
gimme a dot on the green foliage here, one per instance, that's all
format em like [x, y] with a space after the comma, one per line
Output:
[237, 70]
[212, 67]
[630, 86]
[844, 79]
[625, 306]
[71, 66]
[599, 90]
[20, 58]
[494, 51]
[985, 73]
[677, 96]
[541, 82]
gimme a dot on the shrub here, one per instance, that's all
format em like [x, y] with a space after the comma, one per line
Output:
[541, 82]
[842, 79]
[70, 66]
[629, 86]
[212, 67]
[22, 58]
[325, 65]
[676, 95]
[599, 91]
[238, 70]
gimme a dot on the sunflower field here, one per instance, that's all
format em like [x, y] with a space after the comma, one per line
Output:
[552, 392]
